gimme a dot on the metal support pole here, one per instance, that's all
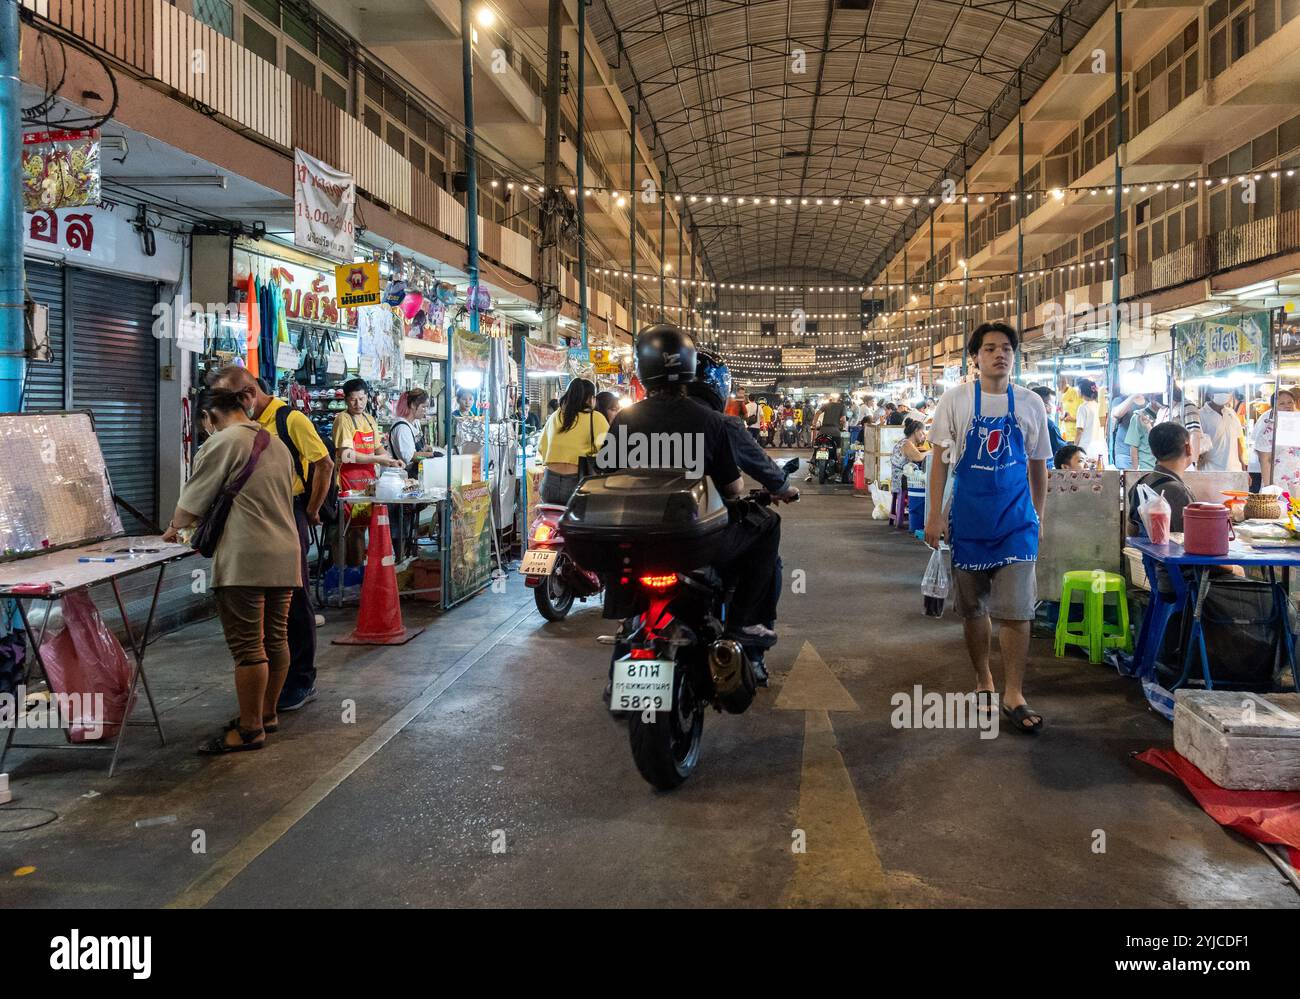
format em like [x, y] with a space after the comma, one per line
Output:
[582, 175]
[934, 273]
[12, 336]
[965, 256]
[1020, 219]
[471, 164]
[1112, 366]
[632, 197]
[553, 197]
[681, 278]
[663, 256]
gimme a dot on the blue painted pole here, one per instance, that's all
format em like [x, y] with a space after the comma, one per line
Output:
[12, 336]
[582, 177]
[471, 155]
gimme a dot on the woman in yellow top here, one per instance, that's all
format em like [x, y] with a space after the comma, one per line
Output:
[575, 430]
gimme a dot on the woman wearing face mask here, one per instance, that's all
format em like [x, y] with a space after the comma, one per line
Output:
[1284, 402]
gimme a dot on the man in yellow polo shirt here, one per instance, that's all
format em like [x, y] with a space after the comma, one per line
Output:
[314, 467]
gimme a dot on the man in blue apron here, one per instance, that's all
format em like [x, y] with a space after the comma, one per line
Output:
[994, 437]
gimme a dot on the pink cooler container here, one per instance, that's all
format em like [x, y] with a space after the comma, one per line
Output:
[1207, 528]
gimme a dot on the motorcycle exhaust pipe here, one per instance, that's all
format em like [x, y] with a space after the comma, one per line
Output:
[726, 663]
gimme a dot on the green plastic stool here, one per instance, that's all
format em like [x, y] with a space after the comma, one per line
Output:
[1094, 632]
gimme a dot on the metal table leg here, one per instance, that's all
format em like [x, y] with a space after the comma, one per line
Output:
[36, 660]
[1195, 636]
[138, 674]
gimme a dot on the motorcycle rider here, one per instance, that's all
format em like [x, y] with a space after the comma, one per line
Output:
[830, 420]
[666, 365]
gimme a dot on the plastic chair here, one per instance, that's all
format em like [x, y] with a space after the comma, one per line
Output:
[1094, 632]
[898, 509]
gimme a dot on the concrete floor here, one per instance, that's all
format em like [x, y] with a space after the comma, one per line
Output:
[481, 769]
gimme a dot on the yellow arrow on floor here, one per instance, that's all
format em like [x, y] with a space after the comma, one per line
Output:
[839, 866]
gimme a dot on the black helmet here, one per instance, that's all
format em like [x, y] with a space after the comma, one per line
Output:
[665, 355]
[712, 376]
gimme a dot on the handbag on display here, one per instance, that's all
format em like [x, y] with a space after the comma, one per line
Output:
[208, 533]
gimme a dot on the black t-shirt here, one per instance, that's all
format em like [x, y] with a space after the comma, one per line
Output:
[674, 430]
[832, 413]
[1168, 485]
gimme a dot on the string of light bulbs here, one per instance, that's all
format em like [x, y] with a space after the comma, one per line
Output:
[898, 199]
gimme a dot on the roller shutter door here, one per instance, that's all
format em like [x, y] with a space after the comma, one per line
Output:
[44, 389]
[115, 376]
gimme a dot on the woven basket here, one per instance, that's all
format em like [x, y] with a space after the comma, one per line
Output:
[1260, 507]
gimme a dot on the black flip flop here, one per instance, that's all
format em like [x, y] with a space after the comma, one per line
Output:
[217, 745]
[1017, 716]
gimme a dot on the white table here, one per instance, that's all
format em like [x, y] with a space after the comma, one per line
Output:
[49, 576]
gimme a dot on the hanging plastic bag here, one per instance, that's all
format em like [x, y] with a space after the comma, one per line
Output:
[937, 582]
[1154, 512]
[88, 668]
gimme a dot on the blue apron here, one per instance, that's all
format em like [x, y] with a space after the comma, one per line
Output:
[992, 521]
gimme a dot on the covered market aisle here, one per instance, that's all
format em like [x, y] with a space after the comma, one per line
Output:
[482, 770]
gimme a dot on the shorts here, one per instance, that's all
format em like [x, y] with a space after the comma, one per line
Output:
[1007, 593]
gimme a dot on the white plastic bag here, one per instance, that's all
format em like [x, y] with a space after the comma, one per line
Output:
[937, 581]
[880, 501]
[1151, 502]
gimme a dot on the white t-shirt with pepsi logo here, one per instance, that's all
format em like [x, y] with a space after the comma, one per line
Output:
[955, 411]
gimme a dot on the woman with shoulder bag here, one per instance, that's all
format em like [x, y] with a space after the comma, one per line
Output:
[573, 432]
[240, 494]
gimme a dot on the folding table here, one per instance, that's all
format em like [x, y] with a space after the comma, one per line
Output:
[1174, 559]
[63, 572]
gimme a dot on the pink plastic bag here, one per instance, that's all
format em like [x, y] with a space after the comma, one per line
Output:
[86, 664]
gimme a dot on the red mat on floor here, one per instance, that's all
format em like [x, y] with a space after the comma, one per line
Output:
[1264, 816]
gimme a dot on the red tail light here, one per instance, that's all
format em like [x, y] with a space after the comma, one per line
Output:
[543, 532]
[643, 653]
[659, 582]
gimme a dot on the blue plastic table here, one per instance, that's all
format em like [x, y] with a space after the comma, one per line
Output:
[1159, 610]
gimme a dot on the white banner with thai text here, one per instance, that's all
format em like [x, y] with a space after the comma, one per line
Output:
[324, 202]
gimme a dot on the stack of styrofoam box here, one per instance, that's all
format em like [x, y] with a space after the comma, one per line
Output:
[6, 795]
[1241, 741]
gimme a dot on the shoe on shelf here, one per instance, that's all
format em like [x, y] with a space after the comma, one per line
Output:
[292, 700]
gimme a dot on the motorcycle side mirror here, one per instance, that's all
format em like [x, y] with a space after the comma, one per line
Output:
[790, 466]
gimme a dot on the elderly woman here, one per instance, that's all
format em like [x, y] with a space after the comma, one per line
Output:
[908, 449]
[257, 562]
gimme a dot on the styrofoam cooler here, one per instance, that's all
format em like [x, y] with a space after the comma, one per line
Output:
[916, 508]
[433, 473]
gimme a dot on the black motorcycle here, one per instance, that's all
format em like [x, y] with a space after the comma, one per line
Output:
[653, 534]
[825, 456]
[789, 433]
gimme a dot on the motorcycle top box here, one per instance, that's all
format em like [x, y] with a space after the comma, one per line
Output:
[644, 519]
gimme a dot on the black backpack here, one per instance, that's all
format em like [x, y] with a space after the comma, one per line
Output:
[329, 509]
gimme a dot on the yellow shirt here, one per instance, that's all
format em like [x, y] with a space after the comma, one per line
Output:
[579, 441]
[1071, 400]
[303, 435]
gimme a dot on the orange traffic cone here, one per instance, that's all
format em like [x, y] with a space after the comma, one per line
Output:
[379, 621]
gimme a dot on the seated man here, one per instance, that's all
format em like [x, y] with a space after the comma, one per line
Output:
[1171, 446]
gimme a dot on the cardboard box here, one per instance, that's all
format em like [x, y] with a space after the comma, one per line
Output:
[1241, 741]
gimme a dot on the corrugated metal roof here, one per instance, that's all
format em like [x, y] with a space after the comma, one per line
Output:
[796, 98]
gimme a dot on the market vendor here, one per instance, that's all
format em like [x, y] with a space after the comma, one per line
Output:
[1265, 428]
[994, 435]
[358, 451]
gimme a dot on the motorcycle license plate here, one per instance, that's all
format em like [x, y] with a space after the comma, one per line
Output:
[642, 684]
[538, 562]
[823, 454]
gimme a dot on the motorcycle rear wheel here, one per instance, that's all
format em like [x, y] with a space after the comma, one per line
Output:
[667, 750]
[822, 473]
[554, 598]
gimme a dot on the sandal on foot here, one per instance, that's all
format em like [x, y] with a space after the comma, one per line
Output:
[268, 726]
[218, 745]
[986, 701]
[1017, 716]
